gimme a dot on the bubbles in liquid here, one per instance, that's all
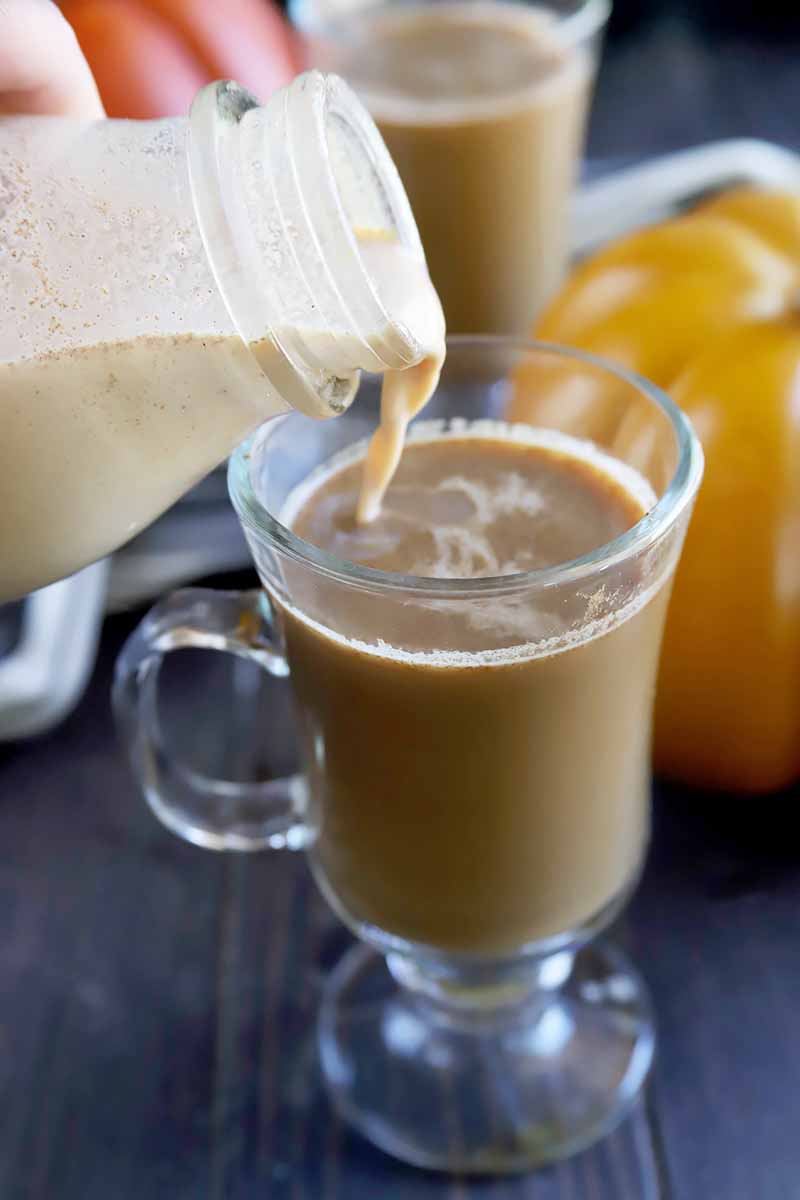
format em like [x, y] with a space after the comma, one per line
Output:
[471, 501]
[442, 531]
[465, 548]
[521, 500]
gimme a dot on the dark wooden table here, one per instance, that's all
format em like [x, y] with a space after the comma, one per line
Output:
[157, 1003]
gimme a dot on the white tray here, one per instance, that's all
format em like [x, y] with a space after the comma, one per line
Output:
[44, 677]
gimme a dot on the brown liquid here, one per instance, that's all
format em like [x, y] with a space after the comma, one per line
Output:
[479, 769]
[483, 113]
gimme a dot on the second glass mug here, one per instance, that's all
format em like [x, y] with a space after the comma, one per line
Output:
[489, 149]
[475, 819]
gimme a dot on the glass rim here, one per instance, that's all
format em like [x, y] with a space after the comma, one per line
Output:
[586, 20]
[589, 17]
[258, 520]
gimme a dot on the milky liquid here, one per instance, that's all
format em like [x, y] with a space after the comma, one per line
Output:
[97, 441]
[479, 767]
[482, 106]
[404, 393]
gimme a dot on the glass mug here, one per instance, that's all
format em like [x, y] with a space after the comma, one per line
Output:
[474, 805]
[483, 107]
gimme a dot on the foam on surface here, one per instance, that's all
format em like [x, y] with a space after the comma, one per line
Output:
[502, 615]
[500, 657]
[460, 429]
[459, 62]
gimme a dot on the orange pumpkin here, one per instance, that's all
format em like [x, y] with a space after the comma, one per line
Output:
[150, 57]
[707, 307]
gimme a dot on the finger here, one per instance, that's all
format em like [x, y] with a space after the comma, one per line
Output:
[42, 69]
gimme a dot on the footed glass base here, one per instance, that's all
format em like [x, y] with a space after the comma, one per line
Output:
[497, 1078]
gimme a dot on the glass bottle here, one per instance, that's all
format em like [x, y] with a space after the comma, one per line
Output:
[168, 286]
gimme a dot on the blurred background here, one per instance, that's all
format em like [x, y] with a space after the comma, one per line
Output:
[688, 69]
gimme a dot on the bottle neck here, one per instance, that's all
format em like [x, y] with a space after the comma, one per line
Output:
[291, 199]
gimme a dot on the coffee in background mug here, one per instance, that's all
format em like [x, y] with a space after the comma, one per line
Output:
[483, 105]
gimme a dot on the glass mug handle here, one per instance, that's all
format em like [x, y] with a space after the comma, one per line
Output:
[218, 814]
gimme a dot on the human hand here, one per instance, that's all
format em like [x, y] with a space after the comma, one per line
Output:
[42, 69]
